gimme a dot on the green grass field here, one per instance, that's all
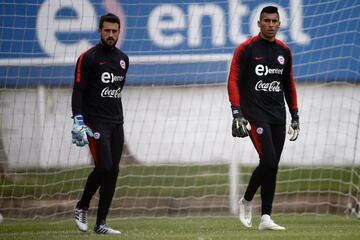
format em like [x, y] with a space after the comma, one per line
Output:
[224, 228]
[183, 181]
[43, 192]
[186, 180]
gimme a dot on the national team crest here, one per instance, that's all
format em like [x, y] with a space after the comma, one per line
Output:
[96, 135]
[122, 64]
[259, 130]
[281, 60]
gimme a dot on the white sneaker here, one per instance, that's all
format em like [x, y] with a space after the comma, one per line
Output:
[81, 219]
[245, 214]
[105, 229]
[266, 223]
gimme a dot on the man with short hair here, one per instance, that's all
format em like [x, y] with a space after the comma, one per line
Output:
[261, 76]
[98, 119]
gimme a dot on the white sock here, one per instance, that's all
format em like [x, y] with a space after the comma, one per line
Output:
[246, 202]
[265, 217]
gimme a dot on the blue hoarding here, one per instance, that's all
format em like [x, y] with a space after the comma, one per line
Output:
[41, 39]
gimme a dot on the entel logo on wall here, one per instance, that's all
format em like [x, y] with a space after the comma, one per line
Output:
[86, 21]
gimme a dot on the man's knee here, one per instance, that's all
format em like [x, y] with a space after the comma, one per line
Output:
[269, 165]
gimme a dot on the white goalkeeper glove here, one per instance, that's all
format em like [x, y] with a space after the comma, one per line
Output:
[80, 131]
[294, 128]
[240, 126]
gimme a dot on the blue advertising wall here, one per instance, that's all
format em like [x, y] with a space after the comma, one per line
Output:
[323, 36]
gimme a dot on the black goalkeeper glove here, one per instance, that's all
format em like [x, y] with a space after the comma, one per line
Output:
[240, 126]
[294, 128]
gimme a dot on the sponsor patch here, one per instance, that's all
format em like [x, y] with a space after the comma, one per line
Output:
[111, 93]
[274, 86]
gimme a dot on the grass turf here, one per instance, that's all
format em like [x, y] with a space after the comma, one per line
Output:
[224, 228]
[174, 181]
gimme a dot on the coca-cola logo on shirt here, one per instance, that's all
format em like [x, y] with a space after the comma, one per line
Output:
[273, 86]
[111, 93]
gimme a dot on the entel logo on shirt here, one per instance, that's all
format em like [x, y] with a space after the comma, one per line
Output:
[262, 70]
[110, 77]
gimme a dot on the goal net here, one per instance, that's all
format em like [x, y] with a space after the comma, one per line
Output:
[179, 158]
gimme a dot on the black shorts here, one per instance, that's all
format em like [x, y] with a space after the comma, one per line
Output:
[107, 144]
[268, 140]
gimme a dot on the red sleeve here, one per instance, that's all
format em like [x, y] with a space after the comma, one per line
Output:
[235, 75]
[290, 90]
[82, 72]
[79, 71]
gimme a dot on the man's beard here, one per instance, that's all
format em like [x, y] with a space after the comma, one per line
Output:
[106, 44]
